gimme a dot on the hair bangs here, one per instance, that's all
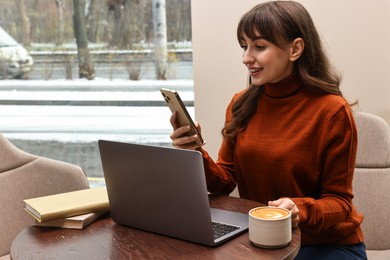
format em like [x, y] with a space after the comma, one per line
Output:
[260, 23]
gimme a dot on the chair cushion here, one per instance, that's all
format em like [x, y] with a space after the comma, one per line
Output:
[373, 141]
[24, 176]
[372, 196]
[12, 157]
[378, 254]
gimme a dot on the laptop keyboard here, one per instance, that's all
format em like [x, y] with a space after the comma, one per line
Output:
[221, 229]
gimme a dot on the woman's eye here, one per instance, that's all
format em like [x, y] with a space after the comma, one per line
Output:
[244, 47]
[260, 47]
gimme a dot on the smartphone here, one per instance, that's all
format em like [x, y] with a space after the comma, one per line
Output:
[176, 104]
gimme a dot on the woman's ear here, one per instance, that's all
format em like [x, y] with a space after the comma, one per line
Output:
[296, 49]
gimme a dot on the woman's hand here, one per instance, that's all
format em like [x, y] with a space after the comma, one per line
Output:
[180, 135]
[290, 205]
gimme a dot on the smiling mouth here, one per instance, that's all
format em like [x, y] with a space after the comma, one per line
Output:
[255, 71]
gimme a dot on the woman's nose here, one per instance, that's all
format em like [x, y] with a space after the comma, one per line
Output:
[247, 57]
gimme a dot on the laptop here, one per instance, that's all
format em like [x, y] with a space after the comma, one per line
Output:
[163, 190]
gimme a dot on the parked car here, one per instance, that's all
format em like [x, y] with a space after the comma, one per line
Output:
[15, 61]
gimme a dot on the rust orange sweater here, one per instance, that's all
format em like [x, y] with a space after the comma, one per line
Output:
[299, 145]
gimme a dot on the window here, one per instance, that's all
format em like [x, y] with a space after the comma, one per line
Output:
[51, 112]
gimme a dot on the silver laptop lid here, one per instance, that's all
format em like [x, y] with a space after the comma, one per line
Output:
[158, 189]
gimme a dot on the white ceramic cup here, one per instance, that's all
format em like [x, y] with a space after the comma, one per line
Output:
[270, 227]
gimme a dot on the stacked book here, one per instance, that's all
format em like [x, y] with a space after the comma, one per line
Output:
[75, 209]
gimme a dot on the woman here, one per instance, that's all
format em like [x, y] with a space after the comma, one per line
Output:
[289, 139]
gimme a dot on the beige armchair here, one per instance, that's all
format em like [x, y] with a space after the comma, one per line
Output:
[372, 183]
[22, 176]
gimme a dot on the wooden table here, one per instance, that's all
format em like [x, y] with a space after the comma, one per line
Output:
[104, 239]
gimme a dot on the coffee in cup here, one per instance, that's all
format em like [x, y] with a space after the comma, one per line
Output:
[270, 227]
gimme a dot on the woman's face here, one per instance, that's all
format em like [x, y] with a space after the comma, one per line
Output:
[266, 62]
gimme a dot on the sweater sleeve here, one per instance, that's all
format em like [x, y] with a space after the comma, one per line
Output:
[338, 155]
[220, 174]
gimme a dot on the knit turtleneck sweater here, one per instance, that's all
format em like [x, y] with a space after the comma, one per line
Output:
[300, 145]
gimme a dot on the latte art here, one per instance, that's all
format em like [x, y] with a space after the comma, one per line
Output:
[270, 213]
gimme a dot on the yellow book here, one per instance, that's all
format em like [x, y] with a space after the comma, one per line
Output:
[76, 222]
[68, 204]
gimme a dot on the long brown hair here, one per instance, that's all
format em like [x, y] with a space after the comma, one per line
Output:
[281, 22]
